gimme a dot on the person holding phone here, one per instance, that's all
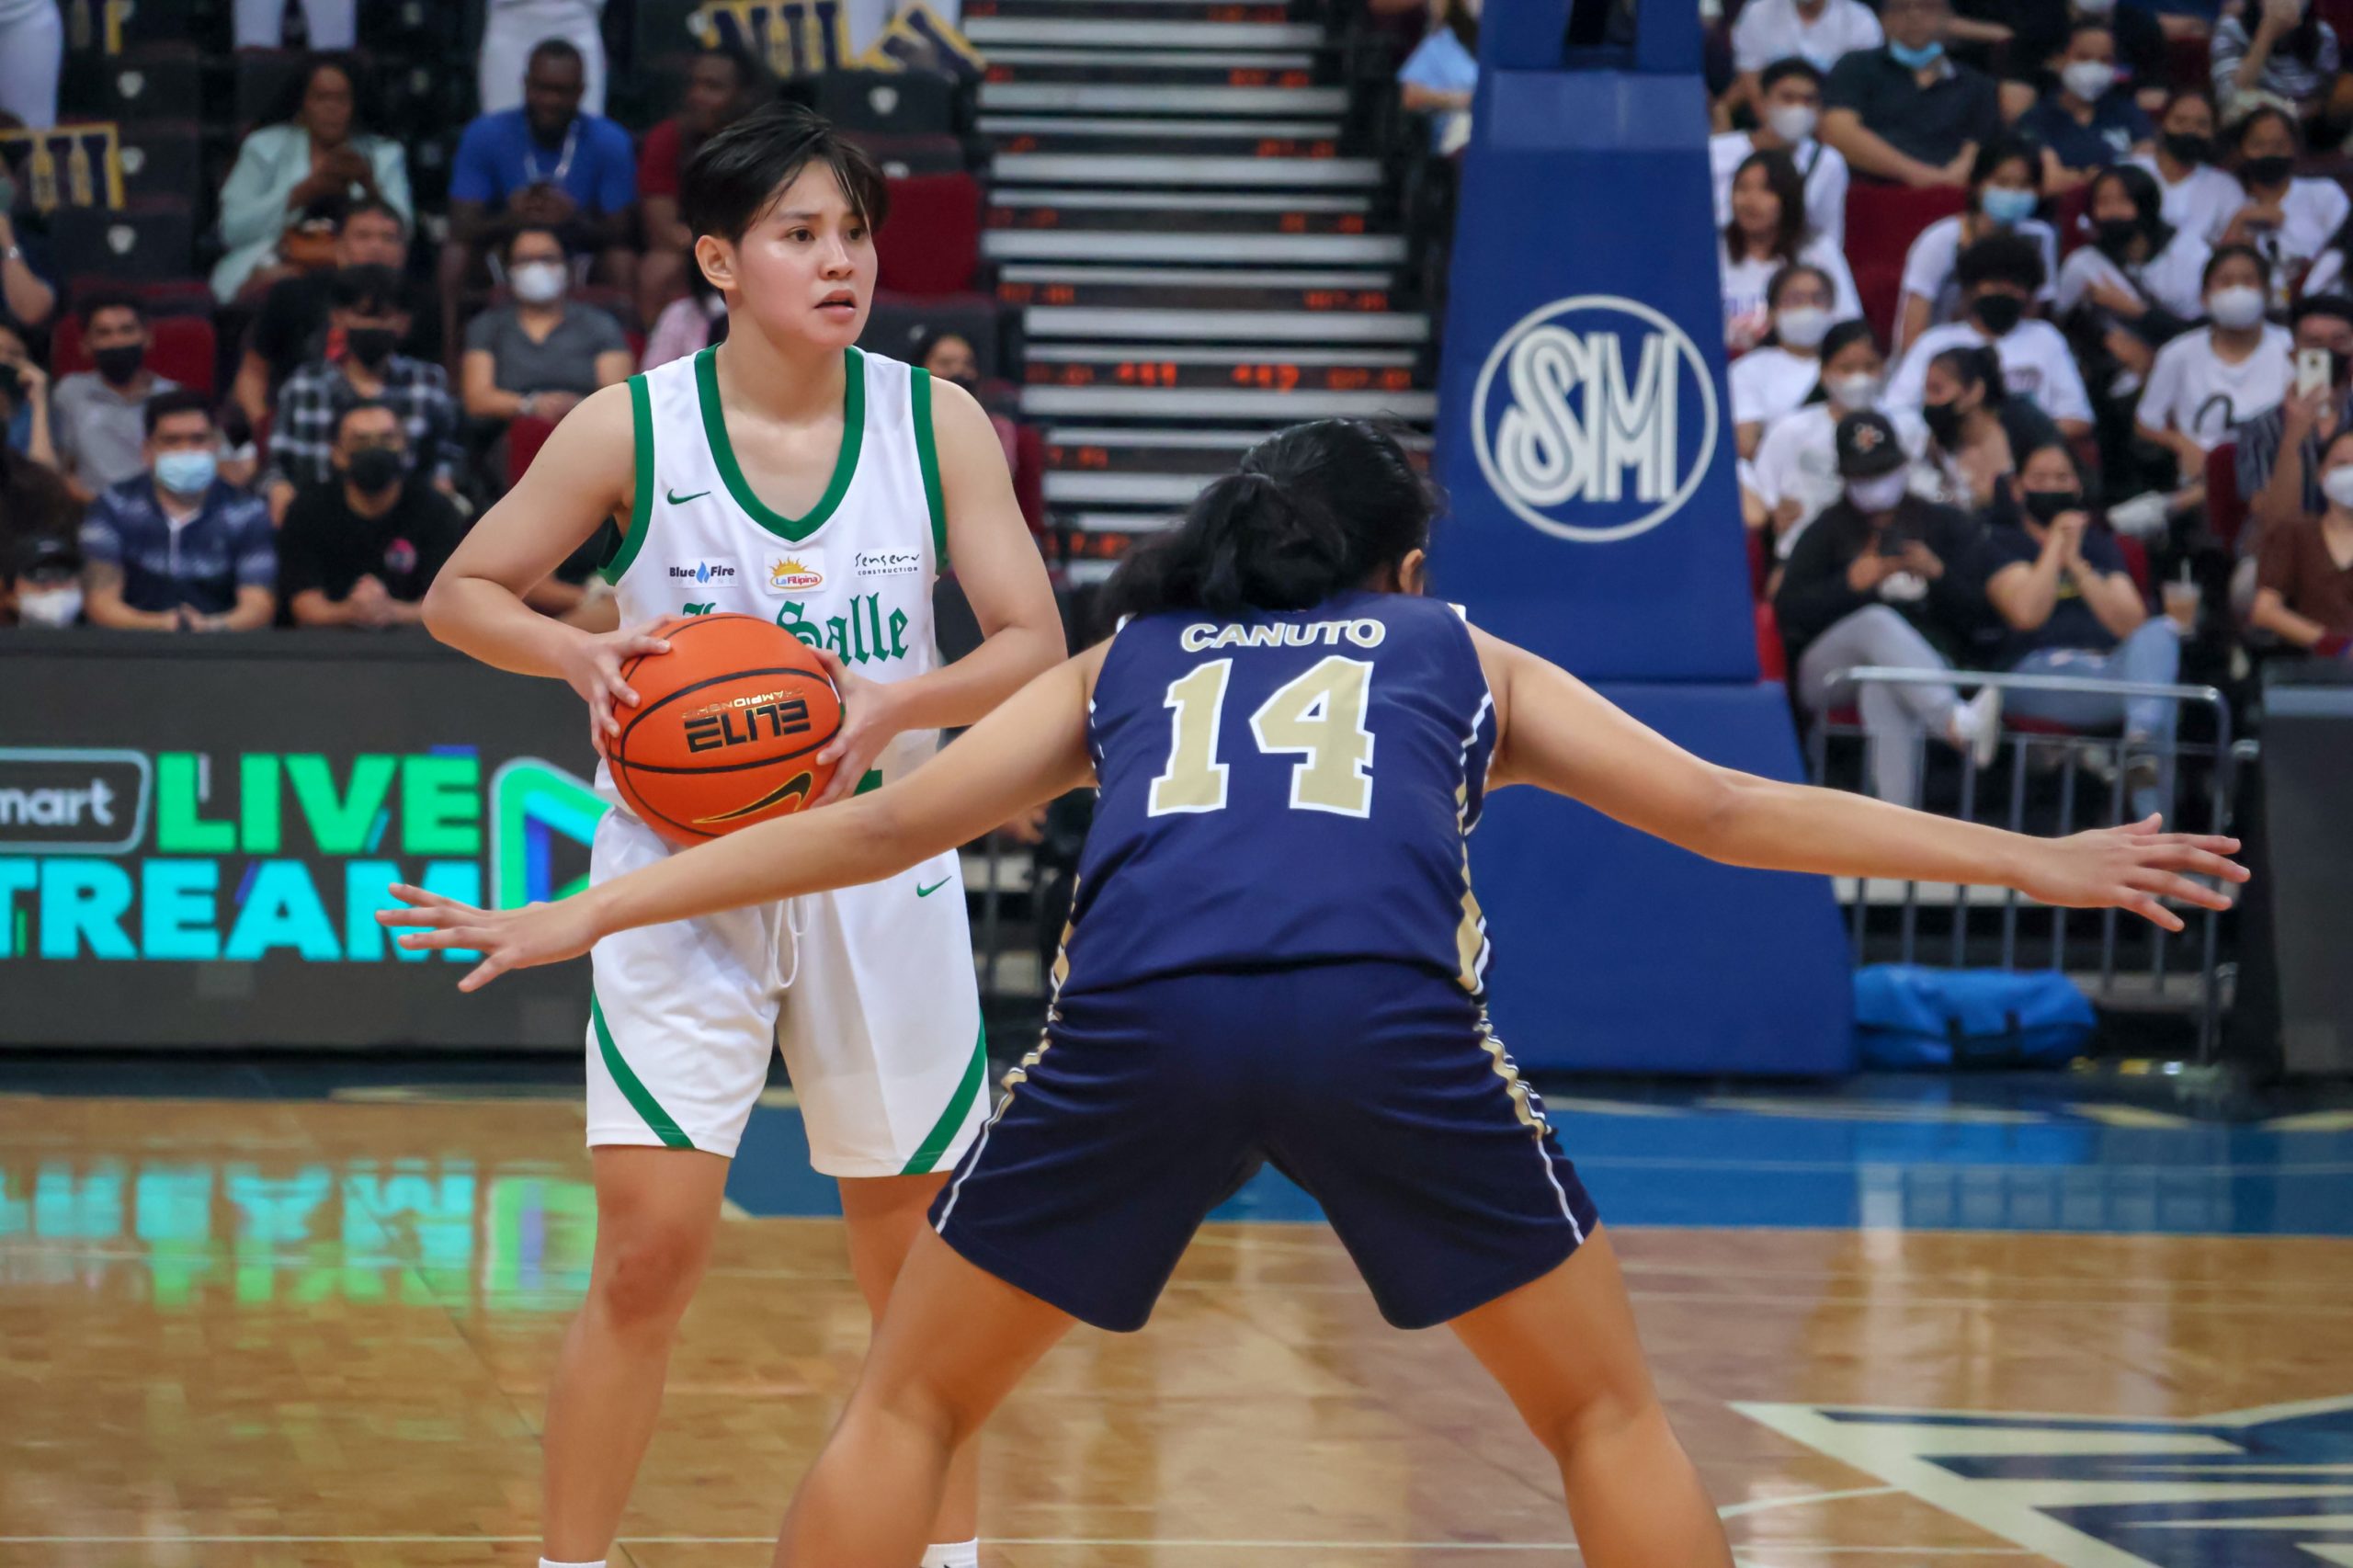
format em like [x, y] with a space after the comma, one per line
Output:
[2279, 450]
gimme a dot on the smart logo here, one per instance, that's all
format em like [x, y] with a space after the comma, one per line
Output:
[1594, 418]
[196, 857]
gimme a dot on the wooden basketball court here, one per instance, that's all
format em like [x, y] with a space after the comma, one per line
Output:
[318, 1332]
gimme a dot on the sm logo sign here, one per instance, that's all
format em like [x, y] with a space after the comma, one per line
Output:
[1594, 418]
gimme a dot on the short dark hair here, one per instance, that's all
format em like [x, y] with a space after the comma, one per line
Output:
[372, 291]
[2255, 117]
[2083, 24]
[751, 70]
[737, 174]
[2311, 305]
[1783, 277]
[2007, 147]
[506, 241]
[366, 405]
[378, 205]
[179, 399]
[87, 307]
[555, 49]
[2002, 258]
[1782, 70]
[2226, 253]
[2342, 435]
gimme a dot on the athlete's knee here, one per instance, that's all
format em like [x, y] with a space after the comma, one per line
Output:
[648, 1275]
[1593, 1415]
[942, 1412]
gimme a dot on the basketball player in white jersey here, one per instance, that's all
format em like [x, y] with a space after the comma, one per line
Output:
[785, 474]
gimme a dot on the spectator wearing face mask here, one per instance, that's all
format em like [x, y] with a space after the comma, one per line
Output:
[1976, 428]
[1795, 474]
[97, 417]
[361, 552]
[2140, 272]
[2000, 277]
[1879, 579]
[368, 314]
[1788, 106]
[2005, 186]
[2230, 371]
[1766, 233]
[2039, 32]
[177, 549]
[37, 512]
[292, 324]
[949, 357]
[2274, 50]
[2086, 120]
[2069, 606]
[2279, 451]
[24, 400]
[2199, 197]
[2305, 577]
[1908, 113]
[543, 354]
[1775, 377]
[41, 583]
[2287, 217]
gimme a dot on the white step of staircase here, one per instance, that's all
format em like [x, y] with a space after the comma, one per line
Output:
[1118, 169]
[1154, 129]
[1226, 326]
[1202, 276]
[1224, 402]
[1176, 200]
[1146, 245]
[991, 34]
[1121, 98]
[1111, 61]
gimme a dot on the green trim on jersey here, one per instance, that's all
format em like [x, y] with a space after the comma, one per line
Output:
[927, 456]
[641, 505]
[714, 428]
[645, 1105]
[959, 1107]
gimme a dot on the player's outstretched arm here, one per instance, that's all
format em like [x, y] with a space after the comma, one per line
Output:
[1556, 732]
[1028, 751]
[582, 475]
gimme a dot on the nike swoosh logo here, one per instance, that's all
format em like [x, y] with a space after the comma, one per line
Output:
[926, 893]
[677, 500]
[797, 788]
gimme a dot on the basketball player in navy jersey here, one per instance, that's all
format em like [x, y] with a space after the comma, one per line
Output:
[1274, 954]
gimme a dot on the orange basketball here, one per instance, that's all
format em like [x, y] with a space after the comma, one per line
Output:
[726, 730]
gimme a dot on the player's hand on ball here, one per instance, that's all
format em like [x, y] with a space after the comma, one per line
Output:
[592, 668]
[869, 720]
[507, 938]
[2134, 867]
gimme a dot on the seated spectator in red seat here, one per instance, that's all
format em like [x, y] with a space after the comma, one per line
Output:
[1976, 428]
[2274, 52]
[1772, 378]
[2005, 186]
[2199, 197]
[1818, 32]
[28, 286]
[1767, 233]
[1880, 578]
[2140, 273]
[1795, 474]
[723, 85]
[2303, 592]
[550, 164]
[24, 400]
[687, 326]
[2290, 219]
[369, 312]
[543, 354]
[2279, 451]
[317, 147]
[292, 324]
[97, 417]
[2000, 278]
[177, 549]
[1789, 108]
[2086, 120]
[40, 574]
[1908, 113]
[2069, 606]
[361, 550]
[2232, 370]
[949, 357]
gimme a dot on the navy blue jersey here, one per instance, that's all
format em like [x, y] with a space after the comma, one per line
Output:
[1286, 789]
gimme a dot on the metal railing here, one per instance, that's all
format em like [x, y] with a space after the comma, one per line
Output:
[2061, 758]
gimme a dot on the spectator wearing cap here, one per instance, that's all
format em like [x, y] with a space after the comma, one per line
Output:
[2230, 371]
[369, 314]
[362, 550]
[1767, 233]
[316, 149]
[1789, 108]
[292, 324]
[2199, 197]
[2305, 576]
[2289, 217]
[722, 86]
[2005, 188]
[1879, 578]
[543, 353]
[2000, 278]
[1908, 113]
[97, 417]
[2278, 451]
[177, 549]
[41, 583]
[2087, 119]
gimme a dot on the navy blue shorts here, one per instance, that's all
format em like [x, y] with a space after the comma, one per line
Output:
[1375, 1087]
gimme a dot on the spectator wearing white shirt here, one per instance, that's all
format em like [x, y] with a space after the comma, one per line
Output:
[1817, 31]
[1795, 474]
[1767, 233]
[2199, 197]
[1976, 429]
[2289, 220]
[2134, 289]
[1776, 375]
[2005, 188]
[2207, 381]
[1789, 108]
[2000, 277]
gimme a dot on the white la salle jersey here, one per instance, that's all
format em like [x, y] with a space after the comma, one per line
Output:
[854, 576]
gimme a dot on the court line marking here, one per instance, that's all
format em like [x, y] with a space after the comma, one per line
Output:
[1765, 1505]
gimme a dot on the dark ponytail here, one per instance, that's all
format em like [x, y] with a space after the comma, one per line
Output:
[1313, 511]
